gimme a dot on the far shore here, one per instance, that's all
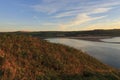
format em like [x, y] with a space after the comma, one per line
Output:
[89, 38]
[94, 38]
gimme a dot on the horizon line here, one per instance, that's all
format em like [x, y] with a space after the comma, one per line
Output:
[25, 31]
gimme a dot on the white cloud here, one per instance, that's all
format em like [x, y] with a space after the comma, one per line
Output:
[66, 14]
[79, 10]
[84, 17]
[100, 10]
[80, 19]
[53, 6]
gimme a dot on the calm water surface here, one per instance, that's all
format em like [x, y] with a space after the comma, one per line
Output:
[115, 39]
[108, 53]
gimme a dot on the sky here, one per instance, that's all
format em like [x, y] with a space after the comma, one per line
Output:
[59, 15]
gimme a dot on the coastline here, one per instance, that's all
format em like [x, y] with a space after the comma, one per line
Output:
[94, 38]
[91, 38]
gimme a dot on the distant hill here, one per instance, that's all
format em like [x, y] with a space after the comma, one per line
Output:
[51, 34]
[28, 58]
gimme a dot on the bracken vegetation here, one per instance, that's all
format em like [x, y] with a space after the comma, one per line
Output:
[27, 58]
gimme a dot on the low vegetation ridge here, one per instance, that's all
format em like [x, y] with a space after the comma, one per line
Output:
[51, 34]
[27, 58]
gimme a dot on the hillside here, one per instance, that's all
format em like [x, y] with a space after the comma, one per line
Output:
[28, 58]
[49, 34]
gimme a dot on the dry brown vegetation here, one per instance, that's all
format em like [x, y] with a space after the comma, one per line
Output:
[28, 58]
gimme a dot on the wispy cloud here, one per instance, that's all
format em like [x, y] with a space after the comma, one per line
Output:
[79, 10]
[85, 17]
[80, 19]
[53, 6]
[67, 14]
[100, 10]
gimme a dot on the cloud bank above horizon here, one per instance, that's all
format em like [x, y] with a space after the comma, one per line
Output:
[59, 15]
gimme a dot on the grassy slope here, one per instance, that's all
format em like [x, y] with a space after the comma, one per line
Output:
[27, 58]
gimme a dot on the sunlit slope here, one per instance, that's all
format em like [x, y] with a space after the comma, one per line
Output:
[28, 58]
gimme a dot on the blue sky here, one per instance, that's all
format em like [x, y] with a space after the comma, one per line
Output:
[59, 15]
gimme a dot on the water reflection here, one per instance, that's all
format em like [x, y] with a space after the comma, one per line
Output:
[108, 53]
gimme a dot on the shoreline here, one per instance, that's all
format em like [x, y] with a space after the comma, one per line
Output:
[90, 38]
[94, 38]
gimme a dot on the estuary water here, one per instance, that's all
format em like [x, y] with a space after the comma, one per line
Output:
[108, 53]
[115, 39]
